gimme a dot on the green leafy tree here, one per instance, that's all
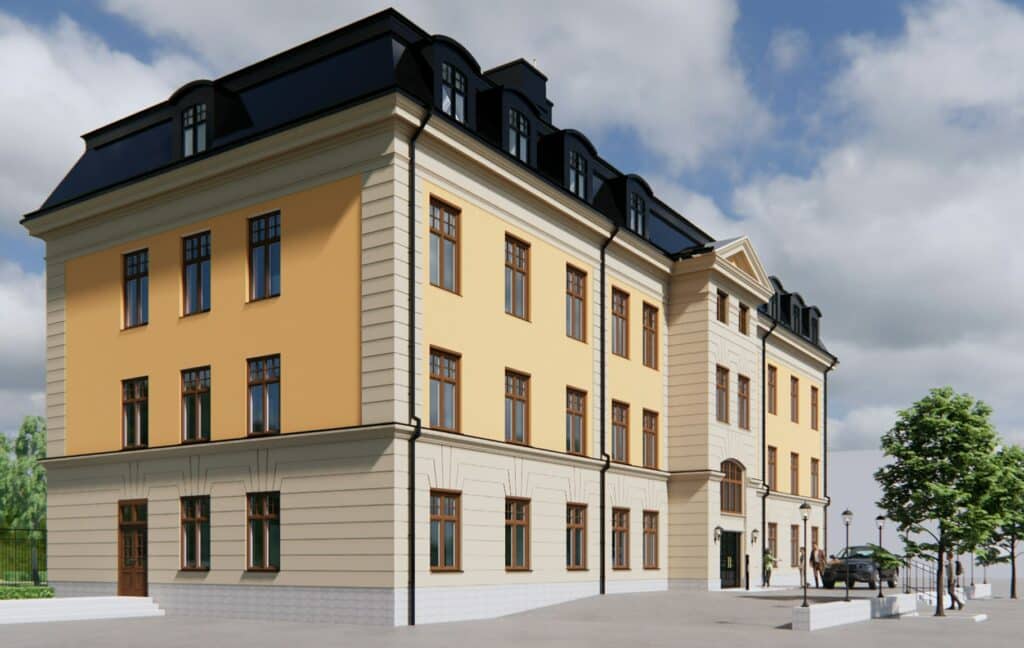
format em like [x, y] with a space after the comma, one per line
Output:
[942, 469]
[22, 478]
[1007, 502]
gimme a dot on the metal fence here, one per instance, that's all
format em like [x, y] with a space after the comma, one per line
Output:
[22, 557]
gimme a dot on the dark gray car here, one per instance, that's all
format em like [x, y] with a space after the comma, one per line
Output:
[862, 568]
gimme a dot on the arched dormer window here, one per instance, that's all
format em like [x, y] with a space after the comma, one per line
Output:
[453, 93]
[193, 130]
[732, 487]
[518, 135]
[637, 214]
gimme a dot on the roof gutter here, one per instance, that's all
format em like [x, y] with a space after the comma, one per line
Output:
[604, 405]
[828, 498]
[764, 450]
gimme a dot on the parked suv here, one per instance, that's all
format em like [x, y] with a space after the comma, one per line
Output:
[862, 568]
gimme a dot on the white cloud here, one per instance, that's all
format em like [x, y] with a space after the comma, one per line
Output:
[788, 48]
[22, 312]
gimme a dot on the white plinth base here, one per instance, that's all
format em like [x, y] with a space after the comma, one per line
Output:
[894, 605]
[827, 615]
[979, 591]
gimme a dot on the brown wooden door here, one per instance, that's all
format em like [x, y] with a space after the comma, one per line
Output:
[131, 548]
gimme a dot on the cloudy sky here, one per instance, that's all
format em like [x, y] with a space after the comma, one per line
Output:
[873, 151]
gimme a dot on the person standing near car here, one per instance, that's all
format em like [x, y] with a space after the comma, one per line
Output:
[817, 564]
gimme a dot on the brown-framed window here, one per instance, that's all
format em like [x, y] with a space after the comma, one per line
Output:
[445, 531]
[517, 277]
[444, 246]
[814, 536]
[744, 319]
[620, 323]
[650, 539]
[575, 303]
[650, 439]
[444, 390]
[722, 394]
[575, 536]
[265, 256]
[620, 538]
[794, 399]
[794, 545]
[195, 404]
[723, 307]
[743, 402]
[195, 532]
[517, 534]
[195, 273]
[773, 389]
[136, 288]
[265, 395]
[517, 407]
[732, 487]
[263, 517]
[650, 336]
[135, 413]
[620, 432]
[814, 408]
[794, 473]
[773, 467]
[815, 487]
[773, 540]
[575, 421]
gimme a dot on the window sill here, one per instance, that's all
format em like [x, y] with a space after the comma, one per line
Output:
[134, 447]
[524, 444]
[443, 570]
[733, 514]
[257, 435]
[134, 327]
[654, 568]
[526, 570]
[519, 317]
[194, 441]
[621, 568]
[193, 570]
[447, 290]
[577, 569]
[262, 570]
[256, 300]
[199, 312]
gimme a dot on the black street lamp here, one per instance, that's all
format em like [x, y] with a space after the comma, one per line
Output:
[847, 520]
[805, 512]
[880, 521]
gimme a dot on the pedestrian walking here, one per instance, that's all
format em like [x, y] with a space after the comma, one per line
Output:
[954, 568]
[817, 564]
[769, 563]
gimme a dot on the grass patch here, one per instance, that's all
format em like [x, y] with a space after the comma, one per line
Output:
[25, 592]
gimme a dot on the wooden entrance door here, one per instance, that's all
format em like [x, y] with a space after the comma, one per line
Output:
[730, 559]
[131, 548]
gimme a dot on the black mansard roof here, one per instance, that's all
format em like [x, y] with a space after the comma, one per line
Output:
[789, 310]
[378, 55]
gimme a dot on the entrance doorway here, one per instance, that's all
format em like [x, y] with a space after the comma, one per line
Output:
[132, 579]
[730, 559]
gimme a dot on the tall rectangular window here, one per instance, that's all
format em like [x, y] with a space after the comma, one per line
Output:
[723, 307]
[722, 394]
[263, 517]
[773, 467]
[453, 93]
[620, 323]
[265, 256]
[195, 532]
[650, 539]
[814, 408]
[195, 255]
[444, 390]
[517, 534]
[265, 395]
[518, 135]
[575, 421]
[637, 214]
[773, 389]
[650, 439]
[578, 174]
[195, 404]
[620, 432]
[193, 130]
[794, 399]
[815, 477]
[620, 538]
[517, 407]
[445, 543]
[444, 246]
[744, 319]
[575, 303]
[794, 473]
[650, 336]
[517, 277]
[135, 413]
[794, 545]
[576, 536]
[743, 402]
[773, 539]
[814, 536]
[136, 288]
[731, 490]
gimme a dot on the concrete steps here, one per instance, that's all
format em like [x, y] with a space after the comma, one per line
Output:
[78, 609]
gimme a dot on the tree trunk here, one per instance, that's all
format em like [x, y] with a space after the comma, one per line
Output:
[940, 609]
[1013, 567]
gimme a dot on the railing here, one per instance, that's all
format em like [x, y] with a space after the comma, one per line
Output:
[22, 557]
[919, 575]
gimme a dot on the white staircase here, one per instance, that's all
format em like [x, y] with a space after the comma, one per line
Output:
[77, 609]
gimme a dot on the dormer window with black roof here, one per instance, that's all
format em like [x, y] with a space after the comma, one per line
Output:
[814, 330]
[794, 321]
[518, 135]
[637, 214]
[193, 128]
[578, 174]
[453, 93]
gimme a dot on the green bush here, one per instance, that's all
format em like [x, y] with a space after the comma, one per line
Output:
[25, 592]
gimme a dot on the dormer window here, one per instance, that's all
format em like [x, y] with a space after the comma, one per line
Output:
[453, 93]
[518, 135]
[795, 319]
[637, 213]
[577, 174]
[814, 330]
[193, 128]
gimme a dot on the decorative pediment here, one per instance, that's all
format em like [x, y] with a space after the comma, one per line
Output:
[739, 253]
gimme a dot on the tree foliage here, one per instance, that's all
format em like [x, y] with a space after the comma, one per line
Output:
[22, 478]
[1006, 501]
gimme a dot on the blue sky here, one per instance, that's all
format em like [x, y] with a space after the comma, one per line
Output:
[872, 150]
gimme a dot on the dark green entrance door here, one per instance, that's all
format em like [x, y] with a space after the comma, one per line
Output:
[730, 559]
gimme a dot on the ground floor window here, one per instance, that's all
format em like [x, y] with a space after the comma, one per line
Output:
[445, 547]
[264, 530]
[576, 536]
[620, 538]
[517, 534]
[794, 545]
[195, 532]
[650, 539]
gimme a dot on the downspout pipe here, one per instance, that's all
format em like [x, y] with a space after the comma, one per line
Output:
[415, 420]
[764, 448]
[604, 405]
[828, 498]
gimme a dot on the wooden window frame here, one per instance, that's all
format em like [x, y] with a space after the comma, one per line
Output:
[794, 399]
[575, 292]
[733, 475]
[195, 382]
[620, 347]
[517, 264]
[271, 234]
[571, 394]
[651, 521]
[773, 389]
[722, 307]
[441, 518]
[650, 439]
[198, 517]
[794, 545]
[794, 473]
[265, 380]
[721, 394]
[196, 250]
[815, 420]
[773, 467]
[620, 534]
[773, 539]
[265, 517]
[744, 325]
[524, 378]
[135, 271]
[513, 522]
[743, 402]
[650, 340]
[572, 526]
[815, 477]
[620, 422]
[135, 402]
[445, 355]
[439, 226]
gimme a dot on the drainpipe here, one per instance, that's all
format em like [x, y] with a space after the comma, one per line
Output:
[764, 447]
[828, 498]
[604, 403]
[418, 430]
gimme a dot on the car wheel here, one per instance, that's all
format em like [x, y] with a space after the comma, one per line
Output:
[871, 584]
[891, 583]
[829, 584]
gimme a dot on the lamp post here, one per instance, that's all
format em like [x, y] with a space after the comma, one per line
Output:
[847, 520]
[805, 512]
[880, 522]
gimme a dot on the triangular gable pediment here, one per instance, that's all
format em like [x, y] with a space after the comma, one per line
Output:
[740, 254]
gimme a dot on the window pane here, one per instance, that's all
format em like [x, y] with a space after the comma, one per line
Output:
[460, 107]
[275, 268]
[446, 99]
[449, 405]
[201, 137]
[189, 531]
[520, 421]
[520, 305]
[192, 288]
[275, 543]
[256, 409]
[256, 545]
[204, 550]
[520, 546]
[259, 276]
[435, 259]
[205, 285]
[435, 528]
[435, 403]
[449, 265]
[508, 545]
[144, 299]
[187, 142]
[143, 423]
[508, 420]
[274, 407]
[449, 544]
[190, 417]
[204, 410]
[508, 290]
